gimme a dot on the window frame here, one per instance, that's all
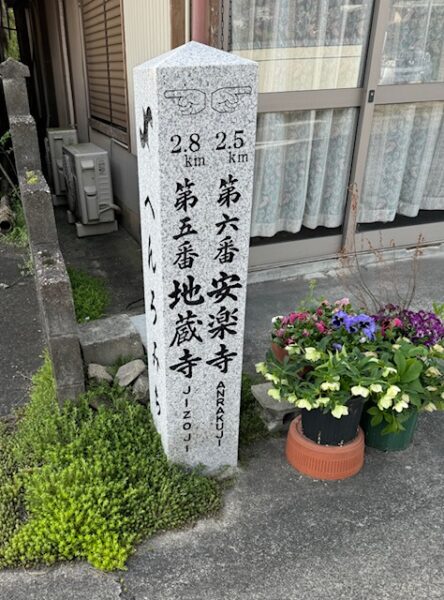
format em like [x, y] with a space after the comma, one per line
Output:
[365, 98]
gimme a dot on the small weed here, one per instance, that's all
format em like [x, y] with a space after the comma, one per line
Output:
[90, 295]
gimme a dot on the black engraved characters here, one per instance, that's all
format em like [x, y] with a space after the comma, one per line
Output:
[222, 358]
[186, 329]
[186, 364]
[228, 194]
[188, 292]
[185, 255]
[189, 102]
[226, 250]
[227, 221]
[184, 195]
[147, 122]
[227, 100]
[224, 287]
[223, 323]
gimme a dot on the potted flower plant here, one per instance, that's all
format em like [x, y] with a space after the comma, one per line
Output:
[408, 345]
[330, 360]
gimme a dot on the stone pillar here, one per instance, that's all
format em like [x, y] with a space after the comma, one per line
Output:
[196, 123]
[21, 124]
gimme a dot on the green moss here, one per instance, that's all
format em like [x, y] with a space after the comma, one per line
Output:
[251, 427]
[90, 295]
[78, 483]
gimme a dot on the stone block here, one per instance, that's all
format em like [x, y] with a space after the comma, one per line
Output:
[107, 340]
[39, 213]
[277, 415]
[25, 143]
[67, 363]
[54, 292]
[129, 372]
[16, 96]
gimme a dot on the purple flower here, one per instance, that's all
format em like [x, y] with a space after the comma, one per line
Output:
[337, 346]
[339, 319]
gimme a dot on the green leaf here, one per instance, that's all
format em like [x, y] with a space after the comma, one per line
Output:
[412, 372]
[400, 362]
[376, 420]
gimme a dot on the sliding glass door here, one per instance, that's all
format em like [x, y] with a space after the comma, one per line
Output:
[351, 98]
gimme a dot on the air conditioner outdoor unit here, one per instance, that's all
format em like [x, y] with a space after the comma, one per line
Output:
[89, 189]
[55, 140]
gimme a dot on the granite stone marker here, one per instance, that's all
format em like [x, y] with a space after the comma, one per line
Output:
[196, 123]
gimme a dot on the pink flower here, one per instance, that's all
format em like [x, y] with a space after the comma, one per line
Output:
[325, 303]
[289, 341]
[306, 333]
[342, 302]
[280, 332]
[396, 322]
[319, 312]
[301, 316]
[292, 317]
[321, 327]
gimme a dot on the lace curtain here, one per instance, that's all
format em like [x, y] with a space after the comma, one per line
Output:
[405, 164]
[302, 169]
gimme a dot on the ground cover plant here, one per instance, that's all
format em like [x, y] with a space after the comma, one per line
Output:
[78, 483]
[90, 295]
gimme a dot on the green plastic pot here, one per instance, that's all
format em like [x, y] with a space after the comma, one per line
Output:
[389, 442]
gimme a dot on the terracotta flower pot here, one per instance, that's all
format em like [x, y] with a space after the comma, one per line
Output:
[324, 462]
[279, 352]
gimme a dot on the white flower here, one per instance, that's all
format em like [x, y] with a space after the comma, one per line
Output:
[274, 393]
[438, 348]
[312, 354]
[442, 395]
[433, 372]
[405, 397]
[292, 398]
[431, 388]
[384, 402]
[369, 353]
[376, 387]
[261, 367]
[339, 411]
[406, 340]
[386, 372]
[323, 401]
[304, 403]
[360, 390]
[430, 407]
[293, 349]
[330, 385]
[396, 346]
[274, 319]
[400, 405]
[392, 391]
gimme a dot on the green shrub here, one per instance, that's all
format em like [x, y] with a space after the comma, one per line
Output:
[79, 483]
[90, 295]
